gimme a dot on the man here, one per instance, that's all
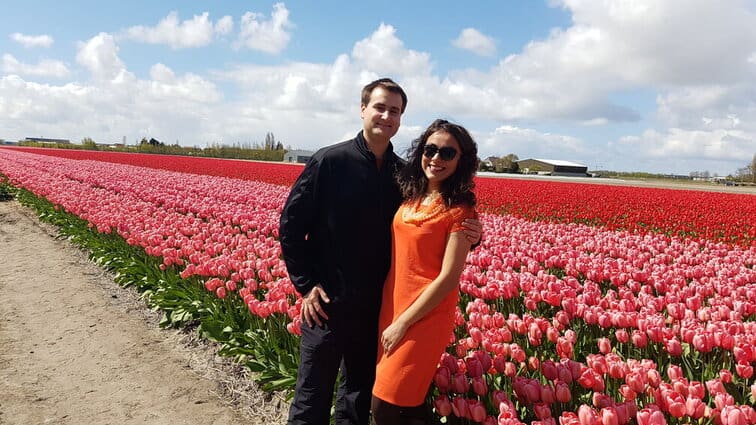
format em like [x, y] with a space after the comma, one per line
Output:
[336, 241]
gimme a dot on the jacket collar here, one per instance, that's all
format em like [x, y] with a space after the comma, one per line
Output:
[362, 146]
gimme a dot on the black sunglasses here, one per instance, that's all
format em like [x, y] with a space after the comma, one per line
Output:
[446, 153]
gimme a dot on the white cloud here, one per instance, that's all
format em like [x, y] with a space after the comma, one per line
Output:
[45, 68]
[383, 53]
[695, 57]
[196, 32]
[270, 36]
[32, 40]
[476, 42]
[100, 56]
[224, 25]
[162, 73]
[686, 150]
[530, 143]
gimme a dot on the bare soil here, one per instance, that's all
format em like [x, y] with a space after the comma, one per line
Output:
[75, 348]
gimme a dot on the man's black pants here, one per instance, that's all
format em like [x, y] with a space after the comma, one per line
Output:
[346, 343]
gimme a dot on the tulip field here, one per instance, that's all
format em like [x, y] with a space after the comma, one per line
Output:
[583, 304]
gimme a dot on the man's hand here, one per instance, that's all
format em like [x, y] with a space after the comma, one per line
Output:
[473, 230]
[312, 312]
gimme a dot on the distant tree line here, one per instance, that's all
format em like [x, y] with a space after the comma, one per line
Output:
[269, 150]
[505, 164]
[747, 173]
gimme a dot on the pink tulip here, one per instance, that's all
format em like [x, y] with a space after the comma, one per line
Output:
[639, 339]
[609, 416]
[221, 292]
[650, 417]
[569, 418]
[601, 400]
[653, 378]
[744, 370]
[587, 416]
[510, 369]
[591, 379]
[673, 347]
[622, 336]
[695, 408]
[696, 390]
[725, 375]
[627, 392]
[732, 415]
[604, 345]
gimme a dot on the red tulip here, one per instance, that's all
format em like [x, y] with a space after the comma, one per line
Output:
[460, 407]
[442, 379]
[477, 410]
[549, 370]
[562, 392]
[479, 386]
[443, 405]
[474, 368]
[542, 410]
[459, 383]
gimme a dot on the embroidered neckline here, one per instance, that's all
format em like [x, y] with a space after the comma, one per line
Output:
[424, 209]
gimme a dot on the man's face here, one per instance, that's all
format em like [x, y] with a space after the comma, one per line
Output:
[381, 117]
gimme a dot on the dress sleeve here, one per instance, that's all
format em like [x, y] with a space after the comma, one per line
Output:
[458, 215]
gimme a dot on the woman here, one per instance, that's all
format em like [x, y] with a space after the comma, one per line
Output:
[428, 256]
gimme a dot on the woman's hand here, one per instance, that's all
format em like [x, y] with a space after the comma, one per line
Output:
[392, 336]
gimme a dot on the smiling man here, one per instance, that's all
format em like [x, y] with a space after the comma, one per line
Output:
[336, 241]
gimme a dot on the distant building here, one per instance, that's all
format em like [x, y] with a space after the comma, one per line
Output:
[299, 156]
[47, 141]
[552, 167]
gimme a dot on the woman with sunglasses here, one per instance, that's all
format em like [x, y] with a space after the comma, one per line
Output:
[428, 256]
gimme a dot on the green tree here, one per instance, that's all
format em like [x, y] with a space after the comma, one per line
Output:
[88, 143]
[506, 164]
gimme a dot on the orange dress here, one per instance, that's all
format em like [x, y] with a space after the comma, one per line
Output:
[404, 376]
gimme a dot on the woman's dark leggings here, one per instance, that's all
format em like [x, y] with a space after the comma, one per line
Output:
[385, 413]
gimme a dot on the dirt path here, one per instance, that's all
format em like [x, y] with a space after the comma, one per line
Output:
[77, 349]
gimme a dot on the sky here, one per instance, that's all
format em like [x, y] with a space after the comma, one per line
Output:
[626, 85]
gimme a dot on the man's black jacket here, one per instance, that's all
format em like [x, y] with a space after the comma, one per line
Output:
[336, 223]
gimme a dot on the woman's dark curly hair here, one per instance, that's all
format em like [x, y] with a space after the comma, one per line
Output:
[455, 190]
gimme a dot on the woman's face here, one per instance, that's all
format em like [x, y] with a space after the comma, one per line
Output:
[441, 155]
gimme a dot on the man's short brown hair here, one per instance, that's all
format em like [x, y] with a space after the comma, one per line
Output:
[389, 85]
